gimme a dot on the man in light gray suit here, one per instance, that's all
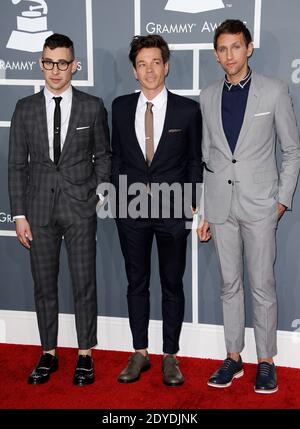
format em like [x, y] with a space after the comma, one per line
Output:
[245, 195]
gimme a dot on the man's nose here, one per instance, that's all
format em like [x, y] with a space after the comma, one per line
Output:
[229, 53]
[55, 69]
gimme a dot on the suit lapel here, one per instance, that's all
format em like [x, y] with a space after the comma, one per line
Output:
[42, 123]
[74, 119]
[251, 107]
[218, 110]
[131, 124]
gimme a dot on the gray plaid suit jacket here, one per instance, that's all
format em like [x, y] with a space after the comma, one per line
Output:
[84, 162]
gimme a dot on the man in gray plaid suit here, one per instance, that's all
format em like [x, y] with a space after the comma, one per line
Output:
[58, 153]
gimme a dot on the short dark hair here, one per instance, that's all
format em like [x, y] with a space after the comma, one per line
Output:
[232, 26]
[150, 41]
[59, 41]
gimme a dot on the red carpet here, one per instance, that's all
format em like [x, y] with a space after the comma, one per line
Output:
[16, 362]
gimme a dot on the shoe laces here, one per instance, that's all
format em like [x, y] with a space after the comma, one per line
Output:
[45, 360]
[264, 369]
[228, 365]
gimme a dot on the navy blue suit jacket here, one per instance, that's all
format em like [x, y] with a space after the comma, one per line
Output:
[178, 155]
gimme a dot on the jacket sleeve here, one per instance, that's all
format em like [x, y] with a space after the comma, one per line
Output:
[102, 153]
[116, 148]
[18, 163]
[287, 135]
[195, 169]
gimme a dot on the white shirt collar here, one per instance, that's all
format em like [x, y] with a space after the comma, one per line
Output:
[157, 101]
[242, 83]
[66, 95]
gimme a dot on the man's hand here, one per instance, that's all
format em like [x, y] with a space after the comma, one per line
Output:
[203, 231]
[280, 210]
[23, 232]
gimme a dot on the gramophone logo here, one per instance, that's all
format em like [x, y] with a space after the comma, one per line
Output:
[194, 6]
[31, 28]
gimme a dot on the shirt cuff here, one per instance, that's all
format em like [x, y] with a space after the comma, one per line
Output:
[19, 217]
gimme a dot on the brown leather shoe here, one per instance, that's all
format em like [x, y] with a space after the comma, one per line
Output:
[171, 372]
[137, 363]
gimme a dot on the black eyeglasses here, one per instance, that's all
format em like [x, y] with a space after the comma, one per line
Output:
[62, 65]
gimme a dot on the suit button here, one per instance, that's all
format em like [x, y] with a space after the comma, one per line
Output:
[230, 182]
[57, 168]
[233, 161]
[52, 190]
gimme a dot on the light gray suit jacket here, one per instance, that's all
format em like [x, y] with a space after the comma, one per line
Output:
[269, 117]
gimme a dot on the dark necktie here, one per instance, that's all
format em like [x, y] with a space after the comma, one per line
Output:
[56, 129]
[149, 133]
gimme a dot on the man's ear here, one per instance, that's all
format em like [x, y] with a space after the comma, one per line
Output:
[166, 65]
[135, 73]
[216, 55]
[250, 49]
[74, 66]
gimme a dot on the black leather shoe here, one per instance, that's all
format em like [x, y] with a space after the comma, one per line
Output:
[229, 370]
[41, 373]
[266, 378]
[84, 371]
[137, 363]
[171, 372]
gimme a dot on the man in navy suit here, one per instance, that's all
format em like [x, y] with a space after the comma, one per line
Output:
[156, 139]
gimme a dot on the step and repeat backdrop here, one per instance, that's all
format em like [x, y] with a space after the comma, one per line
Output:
[101, 31]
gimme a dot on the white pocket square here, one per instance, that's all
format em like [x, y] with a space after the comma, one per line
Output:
[82, 128]
[262, 114]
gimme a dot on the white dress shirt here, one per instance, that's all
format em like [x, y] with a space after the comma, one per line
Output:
[65, 109]
[159, 114]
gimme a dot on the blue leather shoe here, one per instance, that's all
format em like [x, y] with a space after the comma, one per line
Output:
[229, 370]
[266, 378]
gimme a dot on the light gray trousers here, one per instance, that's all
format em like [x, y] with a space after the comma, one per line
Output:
[234, 239]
